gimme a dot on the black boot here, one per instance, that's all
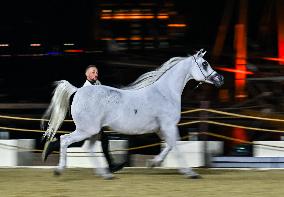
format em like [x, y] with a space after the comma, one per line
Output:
[113, 167]
[49, 147]
[116, 167]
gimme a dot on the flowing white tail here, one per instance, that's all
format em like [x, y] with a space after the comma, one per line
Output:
[58, 107]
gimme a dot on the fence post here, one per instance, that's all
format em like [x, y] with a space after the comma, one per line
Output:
[204, 128]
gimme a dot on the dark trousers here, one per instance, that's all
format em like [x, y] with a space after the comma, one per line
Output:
[105, 147]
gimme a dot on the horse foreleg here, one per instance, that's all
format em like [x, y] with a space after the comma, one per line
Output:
[170, 138]
[65, 141]
[101, 171]
[171, 141]
[187, 171]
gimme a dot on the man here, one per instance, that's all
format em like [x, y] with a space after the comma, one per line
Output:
[91, 79]
[92, 75]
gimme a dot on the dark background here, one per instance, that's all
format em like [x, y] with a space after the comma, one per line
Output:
[27, 73]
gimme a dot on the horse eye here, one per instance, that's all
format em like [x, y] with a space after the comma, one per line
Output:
[205, 65]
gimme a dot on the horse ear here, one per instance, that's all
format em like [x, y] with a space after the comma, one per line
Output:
[198, 54]
[201, 53]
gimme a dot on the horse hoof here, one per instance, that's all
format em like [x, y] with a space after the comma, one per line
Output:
[152, 163]
[108, 176]
[196, 176]
[57, 172]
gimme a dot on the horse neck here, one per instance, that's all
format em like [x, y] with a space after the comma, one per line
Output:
[174, 80]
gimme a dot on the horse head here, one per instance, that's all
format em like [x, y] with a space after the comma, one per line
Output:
[203, 72]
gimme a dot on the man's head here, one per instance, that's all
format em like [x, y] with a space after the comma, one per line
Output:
[92, 73]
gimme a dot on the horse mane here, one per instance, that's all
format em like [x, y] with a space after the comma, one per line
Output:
[150, 77]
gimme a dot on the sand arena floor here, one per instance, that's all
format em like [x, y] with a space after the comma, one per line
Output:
[25, 182]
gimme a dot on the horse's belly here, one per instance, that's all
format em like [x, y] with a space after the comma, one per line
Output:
[134, 127]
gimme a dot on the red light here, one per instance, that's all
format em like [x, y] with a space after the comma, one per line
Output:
[74, 51]
[234, 70]
[273, 59]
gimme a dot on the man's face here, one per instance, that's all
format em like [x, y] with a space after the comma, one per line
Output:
[92, 74]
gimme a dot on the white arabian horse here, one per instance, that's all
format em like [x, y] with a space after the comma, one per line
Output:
[150, 104]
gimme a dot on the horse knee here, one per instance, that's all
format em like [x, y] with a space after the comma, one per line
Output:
[171, 146]
[63, 141]
[63, 137]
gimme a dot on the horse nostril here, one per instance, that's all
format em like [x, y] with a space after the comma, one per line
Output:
[220, 77]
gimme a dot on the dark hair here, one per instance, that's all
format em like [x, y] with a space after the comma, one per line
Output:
[91, 66]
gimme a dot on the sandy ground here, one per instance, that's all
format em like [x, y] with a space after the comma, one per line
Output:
[141, 182]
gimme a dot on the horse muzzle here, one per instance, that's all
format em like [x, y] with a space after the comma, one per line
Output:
[217, 80]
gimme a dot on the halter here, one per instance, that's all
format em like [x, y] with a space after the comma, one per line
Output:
[205, 77]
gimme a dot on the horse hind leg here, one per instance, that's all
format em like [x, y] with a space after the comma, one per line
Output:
[100, 170]
[159, 158]
[65, 141]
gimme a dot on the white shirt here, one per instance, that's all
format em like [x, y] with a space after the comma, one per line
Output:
[87, 83]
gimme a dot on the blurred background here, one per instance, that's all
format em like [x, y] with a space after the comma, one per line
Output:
[44, 41]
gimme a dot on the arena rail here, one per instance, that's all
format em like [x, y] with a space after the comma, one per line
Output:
[180, 124]
[151, 145]
[183, 112]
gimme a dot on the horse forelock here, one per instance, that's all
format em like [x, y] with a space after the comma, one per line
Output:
[151, 77]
